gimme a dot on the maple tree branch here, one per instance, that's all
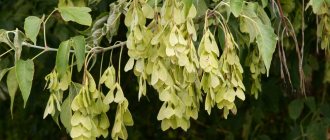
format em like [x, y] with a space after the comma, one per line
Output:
[95, 50]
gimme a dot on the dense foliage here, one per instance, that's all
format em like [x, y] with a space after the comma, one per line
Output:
[179, 66]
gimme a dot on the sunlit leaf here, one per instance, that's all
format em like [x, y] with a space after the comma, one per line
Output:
[77, 14]
[262, 31]
[318, 6]
[266, 41]
[32, 27]
[236, 7]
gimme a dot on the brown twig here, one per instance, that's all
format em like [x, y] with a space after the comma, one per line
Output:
[299, 51]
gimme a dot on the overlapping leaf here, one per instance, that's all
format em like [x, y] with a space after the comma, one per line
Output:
[24, 73]
[76, 14]
[32, 27]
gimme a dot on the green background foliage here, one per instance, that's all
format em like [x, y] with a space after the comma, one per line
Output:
[280, 112]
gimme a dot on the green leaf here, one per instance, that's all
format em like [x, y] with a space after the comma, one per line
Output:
[266, 41]
[236, 7]
[78, 44]
[324, 110]
[55, 117]
[295, 108]
[319, 6]
[245, 26]
[187, 5]
[257, 25]
[113, 21]
[66, 113]
[32, 27]
[3, 72]
[77, 14]
[153, 2]
[62, 58]
[24, 74]
[264, 3]
[310, 102]
[201, 7]
[62, 3]
[4, 38]
[317, 131]
[12, 85]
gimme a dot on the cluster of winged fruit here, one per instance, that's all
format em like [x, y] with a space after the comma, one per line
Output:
[89, 106]
[162, 54]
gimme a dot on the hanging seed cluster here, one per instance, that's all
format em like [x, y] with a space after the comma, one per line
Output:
[222, 78]
[231, 69]
[161, 43]
[89, 119]
[257, 69]
[56, 87]
[208, 57]
[164, 56]
[123, 116]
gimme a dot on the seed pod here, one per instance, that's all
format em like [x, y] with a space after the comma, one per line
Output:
[90, 82]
